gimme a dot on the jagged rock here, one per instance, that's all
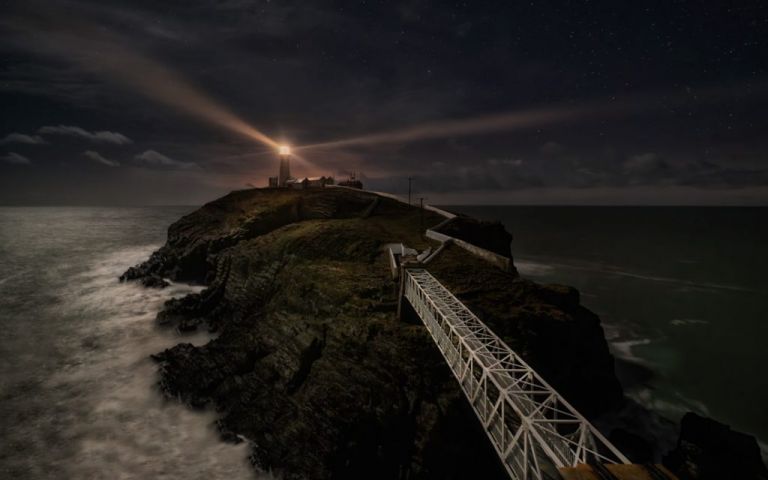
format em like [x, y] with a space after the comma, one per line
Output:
[153, 281]
[311, 362]
[709, 450]
[489, 235]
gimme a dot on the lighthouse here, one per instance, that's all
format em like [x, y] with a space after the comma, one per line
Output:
[284, 174]
[284, 178]
[284, 152]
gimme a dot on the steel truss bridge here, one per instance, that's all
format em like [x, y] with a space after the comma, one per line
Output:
[534, 430]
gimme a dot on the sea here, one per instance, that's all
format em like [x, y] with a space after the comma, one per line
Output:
[682, 293]
[78, 395]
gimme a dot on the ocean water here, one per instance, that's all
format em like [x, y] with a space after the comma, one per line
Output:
[77, 387]
[682, 293]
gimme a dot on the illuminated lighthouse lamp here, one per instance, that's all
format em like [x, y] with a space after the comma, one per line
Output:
[284, 150]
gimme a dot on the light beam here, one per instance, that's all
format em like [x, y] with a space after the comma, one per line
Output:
[106, 53]
[537, 117]
[447, 128]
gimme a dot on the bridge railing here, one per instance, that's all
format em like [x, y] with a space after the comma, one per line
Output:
[534, 430]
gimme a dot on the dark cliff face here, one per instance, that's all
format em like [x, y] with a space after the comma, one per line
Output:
[491, 236]
[709, 450]
[311, 363]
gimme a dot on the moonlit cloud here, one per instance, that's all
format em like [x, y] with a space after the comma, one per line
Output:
[15, 159]
[151, 158]
[643, 163]
[97, 157]
[98, 137]
[22, 138]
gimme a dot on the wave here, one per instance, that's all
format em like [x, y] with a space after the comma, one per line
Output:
[681, 322]
[526, 267]
[623, 350]
[115, 421]
[11, 277]
[674, 407]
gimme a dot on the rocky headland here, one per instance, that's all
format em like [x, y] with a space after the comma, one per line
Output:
[311, 363]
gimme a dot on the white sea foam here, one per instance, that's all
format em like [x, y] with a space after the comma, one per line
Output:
[674, 407]
[763, 450]
[533, 269]
[120, 424]
[681, 322]
[624, 349]
[10, 277]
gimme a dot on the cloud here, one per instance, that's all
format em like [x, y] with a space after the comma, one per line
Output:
[703, 173]
[15, 159]
[650, 169]
[72, 131]
[552, 148]
[491, 175]
[22, 138]
[96, 156]
[514, 162]
[605, 168]
[151, 158]
[645, 163]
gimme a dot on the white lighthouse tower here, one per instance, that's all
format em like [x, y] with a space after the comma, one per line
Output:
[284, 152]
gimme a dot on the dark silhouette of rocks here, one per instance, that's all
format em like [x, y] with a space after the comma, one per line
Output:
[489, 235]
[709, 450]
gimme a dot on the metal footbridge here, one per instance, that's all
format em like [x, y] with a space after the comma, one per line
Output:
[535, 431]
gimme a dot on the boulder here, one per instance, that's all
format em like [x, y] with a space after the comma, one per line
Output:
[709, 450]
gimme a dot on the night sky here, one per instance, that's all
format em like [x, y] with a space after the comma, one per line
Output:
[590, 102]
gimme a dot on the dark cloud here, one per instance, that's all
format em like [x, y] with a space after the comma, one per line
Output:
[646, 168]
[490, 174]
[552, 148]
[151, 158]
[40, 78]
[97, 157]
[98, 137]
[706, 174]
[539, 173]
[15, 159]
[22, 138]
[644, 163]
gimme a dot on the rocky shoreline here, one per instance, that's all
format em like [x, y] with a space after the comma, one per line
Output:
[313, 366]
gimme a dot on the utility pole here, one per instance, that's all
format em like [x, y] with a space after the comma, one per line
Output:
[421, 203]
[409, 191]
